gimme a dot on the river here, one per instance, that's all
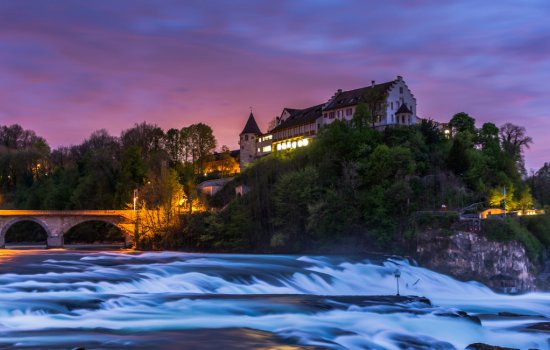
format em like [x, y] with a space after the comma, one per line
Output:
[63, 299]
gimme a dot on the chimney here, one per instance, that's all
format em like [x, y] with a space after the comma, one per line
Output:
[400, 78]
[339, 91]
[372, 83]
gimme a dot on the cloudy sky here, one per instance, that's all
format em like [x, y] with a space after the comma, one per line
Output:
[68, 68]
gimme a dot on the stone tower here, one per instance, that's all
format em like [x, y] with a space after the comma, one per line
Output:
[248, 141]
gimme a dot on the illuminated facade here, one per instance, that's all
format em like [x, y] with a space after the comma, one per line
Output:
[391, 103]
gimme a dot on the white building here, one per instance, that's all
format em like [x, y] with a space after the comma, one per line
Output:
[391, 103]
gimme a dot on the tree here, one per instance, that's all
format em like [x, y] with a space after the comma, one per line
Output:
[500, 195]
[488, 137]
[462, 123]
[202, 144]
[227, 162]
[148, 137]
[458, 160]
[173, 145]
[514, 141]
[540, 184]
[362, 116]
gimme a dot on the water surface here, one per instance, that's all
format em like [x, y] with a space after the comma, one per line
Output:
[108, 300]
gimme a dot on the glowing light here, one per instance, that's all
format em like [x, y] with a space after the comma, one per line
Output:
[306, 142]
[293, 144]
[279, 147]
[284, 146]
[300, 143]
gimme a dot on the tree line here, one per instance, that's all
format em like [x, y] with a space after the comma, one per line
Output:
[103, 171]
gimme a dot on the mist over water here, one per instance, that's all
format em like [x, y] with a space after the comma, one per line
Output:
[105, 300]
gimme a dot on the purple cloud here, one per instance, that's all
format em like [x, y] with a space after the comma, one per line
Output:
[68, 68]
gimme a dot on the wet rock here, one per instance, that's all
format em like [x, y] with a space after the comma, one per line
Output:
[460, 314]
[481, 346]
[543, 326]
[510, 314]
[421, 343]
[503, 266]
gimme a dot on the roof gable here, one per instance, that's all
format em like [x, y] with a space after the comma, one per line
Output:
[251, 126]
[354, 97]
[300, 117]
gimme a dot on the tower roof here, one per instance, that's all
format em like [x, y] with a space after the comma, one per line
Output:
[251, 126]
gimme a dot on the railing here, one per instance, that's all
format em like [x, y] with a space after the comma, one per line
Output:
[65, 212]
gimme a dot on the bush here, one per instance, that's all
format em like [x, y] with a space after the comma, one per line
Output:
[510, 229]
[432, 220]
[539, 226]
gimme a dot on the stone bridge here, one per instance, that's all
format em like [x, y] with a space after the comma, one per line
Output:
[57, 223]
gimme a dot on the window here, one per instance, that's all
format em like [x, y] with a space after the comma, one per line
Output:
[349, 111]
[331, 115]
[392, 106]
[325, 115]
[400, 89]
[246, 137]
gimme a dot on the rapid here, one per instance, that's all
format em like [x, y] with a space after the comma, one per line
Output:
[62, 299]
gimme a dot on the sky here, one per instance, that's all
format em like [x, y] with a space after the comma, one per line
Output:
[70, 67]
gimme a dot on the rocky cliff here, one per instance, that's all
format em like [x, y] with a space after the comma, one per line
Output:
[503, 266]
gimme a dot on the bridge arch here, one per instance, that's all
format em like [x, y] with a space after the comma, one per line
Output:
[57, 223]
[115, 222]
[5, 228]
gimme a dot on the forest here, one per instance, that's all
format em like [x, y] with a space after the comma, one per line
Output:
[353, 189]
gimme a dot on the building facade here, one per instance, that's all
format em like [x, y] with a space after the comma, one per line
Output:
[390, 103]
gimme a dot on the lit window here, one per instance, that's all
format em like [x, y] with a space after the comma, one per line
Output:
[279, 147]
[283, 146]
[305, 142]
[288, 144]
[300, 143]
[293, 144]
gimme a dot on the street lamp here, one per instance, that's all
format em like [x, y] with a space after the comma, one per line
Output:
[397, 274]
[135, 198]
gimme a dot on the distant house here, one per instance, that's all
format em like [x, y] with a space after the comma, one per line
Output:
[487, 213]
[499, 212]
[211, 187]
[390, 103]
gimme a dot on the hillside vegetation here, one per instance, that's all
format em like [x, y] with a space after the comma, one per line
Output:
[357, 188]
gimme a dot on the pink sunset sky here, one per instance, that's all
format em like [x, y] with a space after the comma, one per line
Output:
[68, 68]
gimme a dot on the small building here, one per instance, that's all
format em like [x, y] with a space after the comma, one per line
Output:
[487, 213]
[211, 187]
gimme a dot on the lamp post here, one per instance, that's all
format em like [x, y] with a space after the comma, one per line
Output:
[135, 199]
[504, 196]
[397, 274]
